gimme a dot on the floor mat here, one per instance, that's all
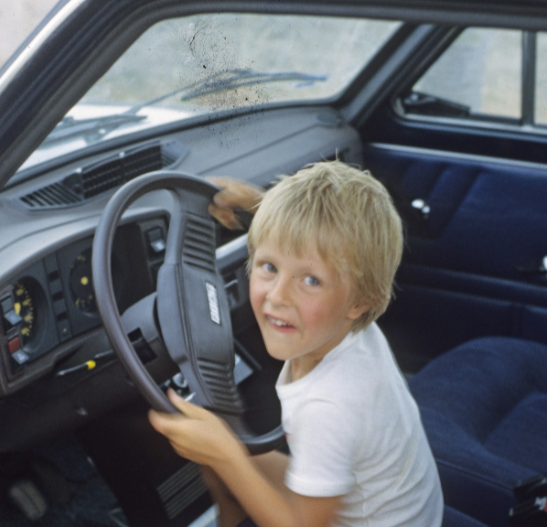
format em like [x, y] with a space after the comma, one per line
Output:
[75, 494]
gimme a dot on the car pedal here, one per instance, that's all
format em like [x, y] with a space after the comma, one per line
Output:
[28, 498]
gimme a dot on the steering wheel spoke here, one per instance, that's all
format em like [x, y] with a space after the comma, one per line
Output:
[193, 310]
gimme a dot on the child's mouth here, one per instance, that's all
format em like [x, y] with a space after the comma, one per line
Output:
[278, 323]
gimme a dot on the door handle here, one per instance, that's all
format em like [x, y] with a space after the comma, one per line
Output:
[422, 207]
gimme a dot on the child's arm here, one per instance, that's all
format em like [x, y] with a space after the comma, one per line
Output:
[205, 439]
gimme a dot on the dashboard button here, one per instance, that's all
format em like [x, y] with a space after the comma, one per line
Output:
[158, 246]
[156, 239]
[20, 357]
[14, 344]
[12, 318]
[7, 304]
[56, 287]
[59, 307]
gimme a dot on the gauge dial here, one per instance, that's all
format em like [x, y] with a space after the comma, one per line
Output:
[24, 306]
[81, 283]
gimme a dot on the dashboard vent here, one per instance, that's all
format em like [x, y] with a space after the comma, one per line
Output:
[51, 196]
[93, 180]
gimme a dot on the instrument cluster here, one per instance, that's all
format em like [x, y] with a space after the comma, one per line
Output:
[53, 300]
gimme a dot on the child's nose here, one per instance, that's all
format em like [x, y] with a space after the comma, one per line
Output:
[279, 294]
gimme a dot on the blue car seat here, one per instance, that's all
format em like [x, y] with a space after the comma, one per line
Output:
[454, 518]
[484, 408]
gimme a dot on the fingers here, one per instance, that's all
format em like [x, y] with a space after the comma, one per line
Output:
[196, 433]
[226, 216]
[178, 401]
[162, 423]
[174, 427]
[234, 195]
[189, 410]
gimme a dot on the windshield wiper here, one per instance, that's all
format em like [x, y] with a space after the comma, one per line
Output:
[228, 80]
[96, 128]
[231, 79]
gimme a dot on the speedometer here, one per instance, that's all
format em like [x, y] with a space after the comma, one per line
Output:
[24, 306]
[81, 284]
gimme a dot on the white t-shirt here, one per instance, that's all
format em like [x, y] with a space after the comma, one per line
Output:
[354, 430]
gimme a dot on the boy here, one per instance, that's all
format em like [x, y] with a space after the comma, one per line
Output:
[324, 246]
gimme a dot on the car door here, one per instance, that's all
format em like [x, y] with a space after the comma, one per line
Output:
[461, 145]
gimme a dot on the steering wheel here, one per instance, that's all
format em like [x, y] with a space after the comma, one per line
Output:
[190, 304]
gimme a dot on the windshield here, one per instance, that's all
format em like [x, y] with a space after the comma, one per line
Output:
[205, 64]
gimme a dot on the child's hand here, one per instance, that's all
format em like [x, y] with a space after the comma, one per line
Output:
[235, 195]
[197, 434]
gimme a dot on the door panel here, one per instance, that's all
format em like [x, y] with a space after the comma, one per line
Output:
[464, 270]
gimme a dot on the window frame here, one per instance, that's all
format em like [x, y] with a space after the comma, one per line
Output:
[526, 124]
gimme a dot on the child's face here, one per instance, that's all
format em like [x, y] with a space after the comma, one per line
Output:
[303, 305]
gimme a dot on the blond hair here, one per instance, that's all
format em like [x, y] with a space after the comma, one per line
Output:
[348, 216]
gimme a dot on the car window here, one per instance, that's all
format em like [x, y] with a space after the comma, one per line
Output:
[481, 70]
[485, 75]
[203, 64]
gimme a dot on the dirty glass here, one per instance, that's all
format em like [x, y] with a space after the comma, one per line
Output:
[206, 64]
[324, 54]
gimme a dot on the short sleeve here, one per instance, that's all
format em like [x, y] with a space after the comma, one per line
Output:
[323, 443]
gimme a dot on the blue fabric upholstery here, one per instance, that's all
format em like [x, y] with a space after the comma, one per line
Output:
[486, 216]
[454, 518]
[484, 408]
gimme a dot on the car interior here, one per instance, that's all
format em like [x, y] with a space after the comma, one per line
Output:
[81, 271]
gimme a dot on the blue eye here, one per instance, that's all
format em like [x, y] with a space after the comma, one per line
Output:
[311, 280]
[268, 267]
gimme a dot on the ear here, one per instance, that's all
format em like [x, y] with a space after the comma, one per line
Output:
[358, 308]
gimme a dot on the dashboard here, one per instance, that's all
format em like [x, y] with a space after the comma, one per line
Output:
[57, 368]
[53, 300]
